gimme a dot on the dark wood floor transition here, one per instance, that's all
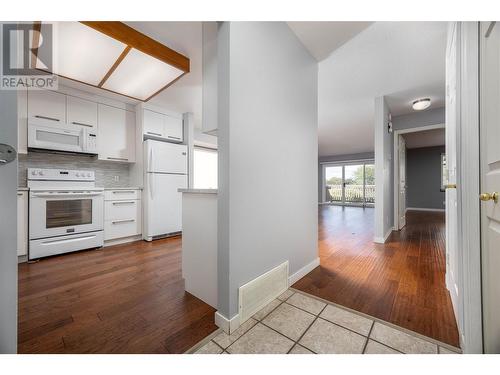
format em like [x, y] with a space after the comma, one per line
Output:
[122, 299]
[401, 281]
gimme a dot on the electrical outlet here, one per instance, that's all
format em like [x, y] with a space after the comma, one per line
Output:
[116, 178]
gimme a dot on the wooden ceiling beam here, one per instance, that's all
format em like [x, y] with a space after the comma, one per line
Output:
[135, 39]
[115, 65]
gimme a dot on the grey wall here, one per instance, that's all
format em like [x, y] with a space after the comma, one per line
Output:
[105, 171]
[423, 177]
[8, 229]
[384, 186]
[335, 159]
[418, 119]
[268, 155]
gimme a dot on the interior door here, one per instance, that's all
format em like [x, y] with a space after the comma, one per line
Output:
[8, 218]
[402, 182]
[451, 109]
[490, 183]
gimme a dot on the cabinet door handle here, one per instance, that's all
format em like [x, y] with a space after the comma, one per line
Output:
[173, 137]
[47, 118]
[121, 159]
[19, 194]
[81, 124]
[123, 191]
[124, 202]
[122, 221]
[153, 133]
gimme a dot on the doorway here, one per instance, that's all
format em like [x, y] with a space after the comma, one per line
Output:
[415, 138]
[349, 184]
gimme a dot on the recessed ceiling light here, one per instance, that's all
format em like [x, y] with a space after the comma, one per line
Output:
[421, 104]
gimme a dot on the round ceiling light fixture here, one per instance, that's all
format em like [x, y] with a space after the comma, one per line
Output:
[421, 104]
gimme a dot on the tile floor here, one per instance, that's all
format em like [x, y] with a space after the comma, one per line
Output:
[296, 323]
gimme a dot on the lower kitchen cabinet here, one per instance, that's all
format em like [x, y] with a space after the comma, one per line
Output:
[122, 214]
[22, 223]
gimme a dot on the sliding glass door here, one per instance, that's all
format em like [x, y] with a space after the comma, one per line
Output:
[349, 183]
[334, 180]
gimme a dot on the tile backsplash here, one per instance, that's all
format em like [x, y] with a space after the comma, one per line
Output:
[106, 172]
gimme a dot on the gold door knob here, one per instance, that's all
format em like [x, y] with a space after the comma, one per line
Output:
[489, 197]
[450, 186]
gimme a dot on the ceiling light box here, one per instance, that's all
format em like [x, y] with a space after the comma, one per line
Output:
[115, 57]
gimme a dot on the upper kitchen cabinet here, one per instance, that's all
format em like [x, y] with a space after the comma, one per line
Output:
[81, 112]
[153, 124]
[163, 126]
[116, 131]
[47, 105]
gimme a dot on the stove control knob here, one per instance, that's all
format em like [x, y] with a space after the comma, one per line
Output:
[33, 173]
[40, 173]
[88, 174]
[77, 174]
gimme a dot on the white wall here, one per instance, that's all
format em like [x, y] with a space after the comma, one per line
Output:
[384, 187]
[268, 149]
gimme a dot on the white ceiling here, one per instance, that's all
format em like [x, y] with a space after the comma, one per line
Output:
[427, 138]
[401, 60]
[185, 38]
[322, 38]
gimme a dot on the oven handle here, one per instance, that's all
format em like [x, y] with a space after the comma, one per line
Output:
[52, 195]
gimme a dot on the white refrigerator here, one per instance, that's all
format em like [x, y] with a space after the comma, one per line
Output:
[165, 172]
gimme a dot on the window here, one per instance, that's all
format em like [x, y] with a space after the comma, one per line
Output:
[205, 168]
[349, 183]
[444, 172]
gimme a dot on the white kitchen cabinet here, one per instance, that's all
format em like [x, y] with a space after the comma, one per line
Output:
[116, 129]
[153, 124]
[22, 223]
[81, 112]
[122, 215]
[173, 128]
[160, 125]
[47, 105]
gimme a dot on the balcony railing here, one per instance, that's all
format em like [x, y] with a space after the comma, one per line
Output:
[353, 193]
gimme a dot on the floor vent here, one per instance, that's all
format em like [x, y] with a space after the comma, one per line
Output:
[257, 293]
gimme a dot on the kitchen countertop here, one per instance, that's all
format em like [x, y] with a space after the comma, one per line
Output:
[123, 188]
[198, 191]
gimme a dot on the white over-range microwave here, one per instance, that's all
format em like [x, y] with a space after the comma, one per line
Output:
[43, 134]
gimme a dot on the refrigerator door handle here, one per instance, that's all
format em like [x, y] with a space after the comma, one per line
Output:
[151, 182]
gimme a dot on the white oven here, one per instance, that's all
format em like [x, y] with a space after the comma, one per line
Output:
[57, 213]
[64, 215]
[61, 137]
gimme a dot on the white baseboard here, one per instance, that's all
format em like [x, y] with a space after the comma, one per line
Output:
[303, 271]
[425, 209]
[120, 241]
[383, 240]
[227, 325]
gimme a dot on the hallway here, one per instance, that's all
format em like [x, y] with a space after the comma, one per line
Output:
[401, 281]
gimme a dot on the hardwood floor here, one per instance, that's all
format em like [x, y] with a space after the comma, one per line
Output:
[123, 299]
[401, 281]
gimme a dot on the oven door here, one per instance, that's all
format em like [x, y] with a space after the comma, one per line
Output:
[58, 213]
